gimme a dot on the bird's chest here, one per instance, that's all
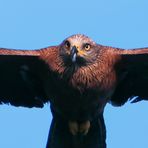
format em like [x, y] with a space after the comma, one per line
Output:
[76, 96]
[72, 102]
[75, 86]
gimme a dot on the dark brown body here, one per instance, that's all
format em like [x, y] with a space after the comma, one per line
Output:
[78, 78]
[82, 91]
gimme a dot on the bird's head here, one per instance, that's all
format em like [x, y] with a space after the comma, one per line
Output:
[78, 49]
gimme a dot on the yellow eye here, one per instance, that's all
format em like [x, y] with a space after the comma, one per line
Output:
[87, 47]
[67, 44]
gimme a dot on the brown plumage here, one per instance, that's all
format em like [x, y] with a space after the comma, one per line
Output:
[78, 77]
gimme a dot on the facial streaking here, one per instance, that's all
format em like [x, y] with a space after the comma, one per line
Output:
[79, 48]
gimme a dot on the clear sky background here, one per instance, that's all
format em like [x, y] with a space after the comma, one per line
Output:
[32, 24]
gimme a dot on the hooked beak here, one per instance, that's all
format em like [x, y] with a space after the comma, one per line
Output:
[73, 53]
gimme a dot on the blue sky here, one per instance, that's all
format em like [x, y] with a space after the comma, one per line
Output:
[32, 24]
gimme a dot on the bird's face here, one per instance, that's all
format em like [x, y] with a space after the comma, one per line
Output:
[78, 49]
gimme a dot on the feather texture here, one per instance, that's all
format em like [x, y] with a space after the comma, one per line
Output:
[78, 90]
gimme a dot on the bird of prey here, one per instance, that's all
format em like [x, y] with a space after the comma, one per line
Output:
[78, 77]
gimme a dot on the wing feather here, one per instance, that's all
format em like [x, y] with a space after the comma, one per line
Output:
[20, 82]
[134, 84]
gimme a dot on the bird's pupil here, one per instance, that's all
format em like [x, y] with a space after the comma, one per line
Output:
[87, 46]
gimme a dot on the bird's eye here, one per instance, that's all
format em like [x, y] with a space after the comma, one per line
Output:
[67, 44]
[87, 47]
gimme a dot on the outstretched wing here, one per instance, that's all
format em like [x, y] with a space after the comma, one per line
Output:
[60, 137]
[20, 73]
[132, 71]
